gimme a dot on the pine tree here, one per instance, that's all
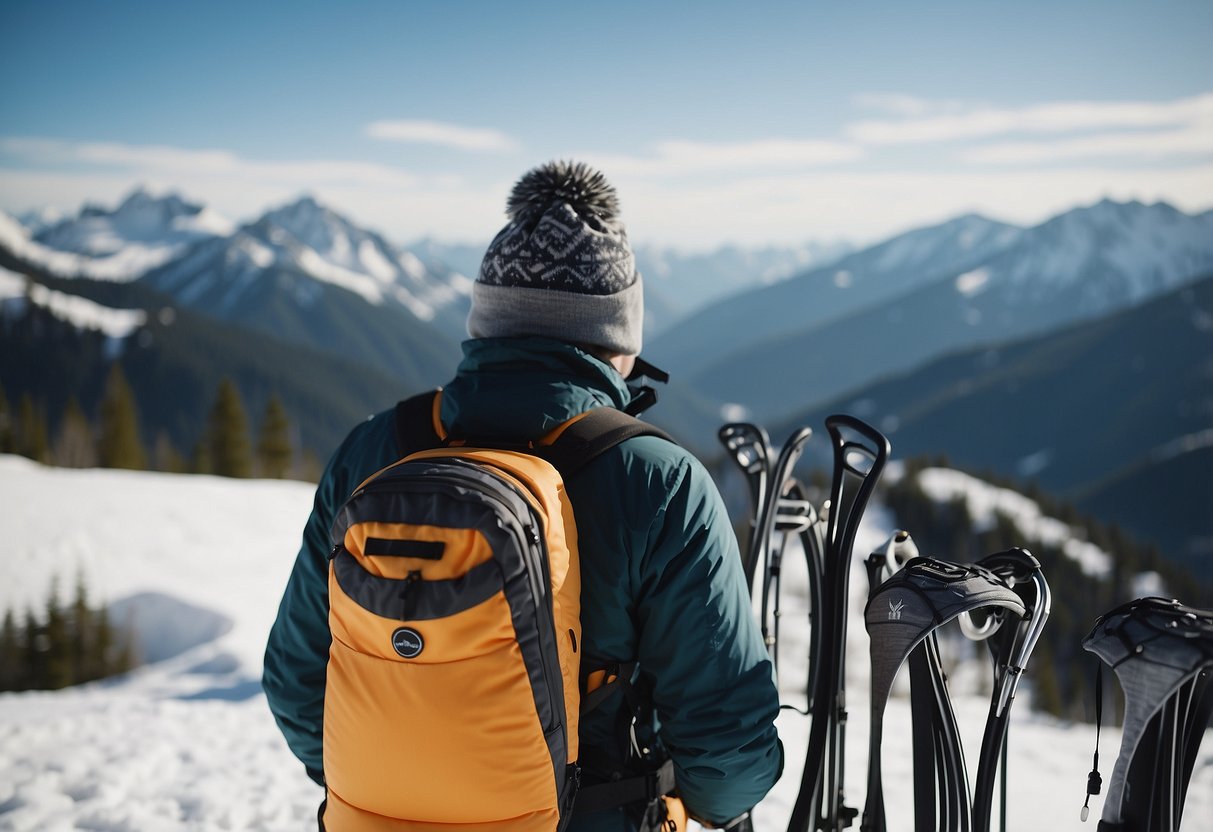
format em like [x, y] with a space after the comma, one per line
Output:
[104, 652]
[31, 430]
[200, 459]
[119, 646]
[71, 645]
[6, 424]
[274, 451]
[1046, 691]
[74, 446]
[85, 667]
[228, 434]
[10, 653]
[120, 446]
[33, 649]
[58, 643]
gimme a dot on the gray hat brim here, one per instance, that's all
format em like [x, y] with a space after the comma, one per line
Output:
[614, 322]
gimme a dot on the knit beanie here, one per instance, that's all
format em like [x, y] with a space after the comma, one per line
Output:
[562, 266]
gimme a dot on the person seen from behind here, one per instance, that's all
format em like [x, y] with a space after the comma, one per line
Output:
[555, 326]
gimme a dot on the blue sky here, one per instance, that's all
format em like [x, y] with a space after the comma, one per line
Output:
[781, 122]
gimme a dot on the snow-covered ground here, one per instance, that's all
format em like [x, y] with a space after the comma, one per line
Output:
[188, 743]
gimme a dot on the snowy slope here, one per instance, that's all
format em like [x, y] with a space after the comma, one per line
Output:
[80, 312]
[15, 238]
[189, 744]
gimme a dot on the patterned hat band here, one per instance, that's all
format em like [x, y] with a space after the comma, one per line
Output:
[614, 321]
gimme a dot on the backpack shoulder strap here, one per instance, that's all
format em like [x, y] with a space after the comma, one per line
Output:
[418, 427]
[584, 438]
[570, 447]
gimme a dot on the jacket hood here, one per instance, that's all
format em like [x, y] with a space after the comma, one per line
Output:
[524, 387]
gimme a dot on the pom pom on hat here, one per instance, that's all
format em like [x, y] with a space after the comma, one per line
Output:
[576, 184]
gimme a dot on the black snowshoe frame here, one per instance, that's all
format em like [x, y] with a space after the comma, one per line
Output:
[1016, 590]
[902, 617]
[1162, 653]
[779, 505]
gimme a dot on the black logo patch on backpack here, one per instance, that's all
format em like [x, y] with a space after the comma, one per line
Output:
[408, 642]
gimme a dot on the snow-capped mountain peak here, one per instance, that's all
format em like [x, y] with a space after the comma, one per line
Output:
[310, 222]
[141, 218]
[1108, 254]
[938, 247]
[337, 240]
[144, 231]
[40, 219]
[305, 244]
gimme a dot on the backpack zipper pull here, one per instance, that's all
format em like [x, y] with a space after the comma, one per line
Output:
[411, 578]
[407, 584]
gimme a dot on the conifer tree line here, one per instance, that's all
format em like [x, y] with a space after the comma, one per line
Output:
[67, 645]
[229, 446]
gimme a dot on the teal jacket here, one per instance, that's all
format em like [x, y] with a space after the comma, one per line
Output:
[662, 583]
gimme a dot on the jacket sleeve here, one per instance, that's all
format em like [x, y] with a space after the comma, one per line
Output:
[713, 681]
[296, 655]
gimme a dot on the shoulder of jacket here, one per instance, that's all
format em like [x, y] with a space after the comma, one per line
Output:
[663, 465]
[370, 445]
[374, 431]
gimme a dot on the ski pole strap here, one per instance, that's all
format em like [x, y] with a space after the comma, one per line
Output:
[1094, 781]
[644, 788]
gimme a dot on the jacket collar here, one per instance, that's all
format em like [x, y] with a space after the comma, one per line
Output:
[525, 387]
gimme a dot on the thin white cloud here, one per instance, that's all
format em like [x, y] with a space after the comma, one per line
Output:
[1150, 146]
[157, 161]
[428, 207]
[900, 104]
[762, 204]
[678, 158]
[868, 206]
[439, 133]
[55, 151]
[1054, 118]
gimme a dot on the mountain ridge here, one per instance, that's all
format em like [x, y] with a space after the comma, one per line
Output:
[859, 279]
[1077, 266]
[1081, 411]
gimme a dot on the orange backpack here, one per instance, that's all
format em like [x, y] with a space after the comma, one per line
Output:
[452, 696]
